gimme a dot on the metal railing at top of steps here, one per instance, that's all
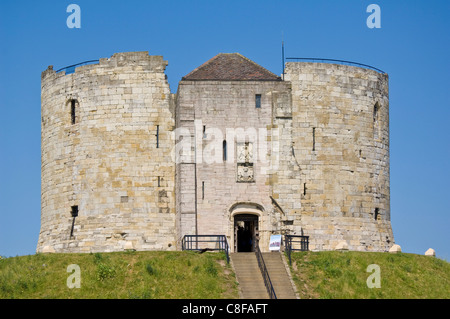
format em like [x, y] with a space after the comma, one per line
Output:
[204, 243]
[291, 240]
[265, 273]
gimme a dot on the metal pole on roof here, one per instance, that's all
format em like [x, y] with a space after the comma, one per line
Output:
[282, 53]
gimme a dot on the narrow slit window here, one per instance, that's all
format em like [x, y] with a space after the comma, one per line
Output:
[258, 101]
[304, 189]
[73, 106]
[224, 150]
[375, 112]
[157, 136]
[376, 121]
[74, 213]
[203, 190]
[377, 214]
[314, 139]
[204, 131]
[159, 181]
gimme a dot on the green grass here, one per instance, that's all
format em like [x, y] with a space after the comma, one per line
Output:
[343, 275]
[135, 275]
[189, 275]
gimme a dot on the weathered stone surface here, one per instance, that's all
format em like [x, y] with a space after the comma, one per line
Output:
[108, 162]
[340, 145]
[141, 167]
[430, 252]
[395, 249]
[342, 245]
[48, 249]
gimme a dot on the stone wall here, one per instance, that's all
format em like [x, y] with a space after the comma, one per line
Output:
[108, 163]
[340, 135]
[141, 167]
[226, 110]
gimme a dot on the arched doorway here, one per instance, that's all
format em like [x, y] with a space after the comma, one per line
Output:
[246, 232]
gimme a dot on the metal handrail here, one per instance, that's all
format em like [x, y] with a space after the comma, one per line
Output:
[289, 239]
[339, 61]
[265, 273]
[191, 242]
[75, 65]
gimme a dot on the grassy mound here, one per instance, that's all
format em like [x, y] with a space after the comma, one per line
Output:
[156, 275]
[344, 275]
[190, 275]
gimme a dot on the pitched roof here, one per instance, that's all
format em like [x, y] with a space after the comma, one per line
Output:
[231, 67]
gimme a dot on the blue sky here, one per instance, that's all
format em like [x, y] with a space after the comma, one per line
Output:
[412, 46]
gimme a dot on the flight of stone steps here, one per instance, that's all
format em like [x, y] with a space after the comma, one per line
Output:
[250, 279]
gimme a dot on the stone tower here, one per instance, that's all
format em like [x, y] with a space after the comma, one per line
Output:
[340, 144]
[128, 165]
[107, 171]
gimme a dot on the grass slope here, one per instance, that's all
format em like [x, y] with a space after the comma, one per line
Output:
[344, 275]
[189, 275]
[156, 275]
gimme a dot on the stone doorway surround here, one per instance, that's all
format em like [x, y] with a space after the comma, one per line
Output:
[247, 215]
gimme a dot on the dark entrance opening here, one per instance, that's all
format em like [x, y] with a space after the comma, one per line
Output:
[246, 232]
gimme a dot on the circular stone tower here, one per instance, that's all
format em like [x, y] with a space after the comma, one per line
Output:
[340, 136]
[107, 174]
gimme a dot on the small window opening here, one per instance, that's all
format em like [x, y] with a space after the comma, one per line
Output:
[376, 107]
[203, 190]
[258, 101]
[376, 122]
[73, 111]
[74, 213]
[159, 181]
[377, 214]
[224, 150]
[304, 189]
[204, 131]
[314, 139]
[157, 136]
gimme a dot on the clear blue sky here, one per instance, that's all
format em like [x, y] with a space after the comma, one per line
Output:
[412, 45]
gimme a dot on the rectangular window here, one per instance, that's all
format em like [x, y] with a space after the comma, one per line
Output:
[314, 139]
[203, 190]
[377, 214]
[376, 122]
[258, 101]
[157, 136]
[74, 211]
[224, 150]
[72, 111]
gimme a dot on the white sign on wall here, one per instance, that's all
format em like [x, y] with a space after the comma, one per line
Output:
[275, 242]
